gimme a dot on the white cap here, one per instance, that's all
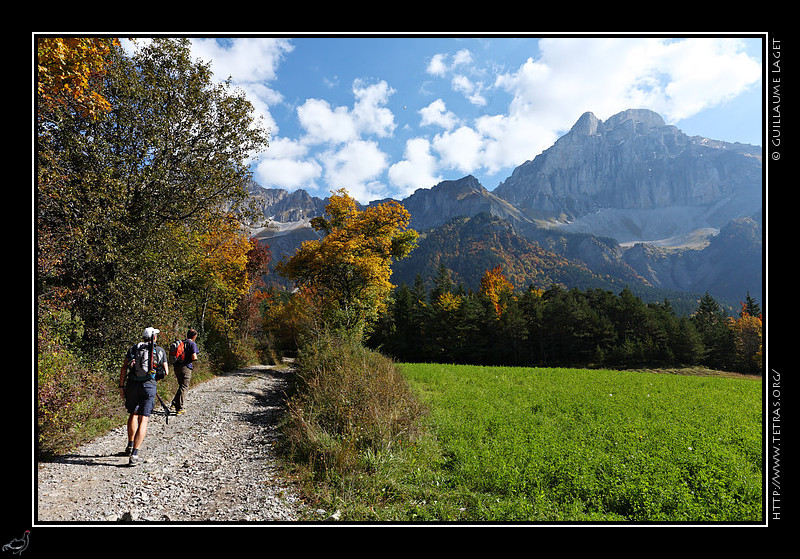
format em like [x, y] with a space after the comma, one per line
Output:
[150, 332]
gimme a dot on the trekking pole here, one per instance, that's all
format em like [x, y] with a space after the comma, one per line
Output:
[166, 408]
[152, 368]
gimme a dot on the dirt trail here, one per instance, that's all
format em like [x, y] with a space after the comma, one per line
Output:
[216, 462]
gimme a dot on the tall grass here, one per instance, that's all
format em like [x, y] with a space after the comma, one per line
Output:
[351, 404]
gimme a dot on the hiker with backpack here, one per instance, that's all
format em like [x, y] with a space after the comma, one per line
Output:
[183, 353]
[145, 363]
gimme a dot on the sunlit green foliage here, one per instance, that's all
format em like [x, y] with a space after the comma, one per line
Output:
[137, 155]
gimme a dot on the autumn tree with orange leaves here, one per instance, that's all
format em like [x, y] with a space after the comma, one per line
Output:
[748, 337]
[219, 276]
[70, 73]
[495, 287]
[348, 270]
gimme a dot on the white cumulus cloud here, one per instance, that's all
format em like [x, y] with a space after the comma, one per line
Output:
[286, 165]
[461, 149]
[346, 144]
[369, 114]
[437, 114]
[251, 63]
[356, 167]
[417, 169]
[324, 124]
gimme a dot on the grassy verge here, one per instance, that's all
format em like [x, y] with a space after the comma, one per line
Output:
[352, 416]
[562, 445]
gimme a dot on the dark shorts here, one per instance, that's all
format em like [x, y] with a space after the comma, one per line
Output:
[140, 397]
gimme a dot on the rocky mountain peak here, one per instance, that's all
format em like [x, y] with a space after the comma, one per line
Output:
[629, 122]
[586, 125]
[627, 176]
[284, 206]
[459, 188]
[643, 118]
[430, 207]
[596, 192]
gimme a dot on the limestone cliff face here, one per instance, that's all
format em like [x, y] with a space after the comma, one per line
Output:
[463, 197]
[633, 163]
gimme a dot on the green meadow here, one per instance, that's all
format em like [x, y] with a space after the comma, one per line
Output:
[574, 445]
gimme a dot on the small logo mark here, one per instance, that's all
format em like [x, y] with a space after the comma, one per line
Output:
[18, 545]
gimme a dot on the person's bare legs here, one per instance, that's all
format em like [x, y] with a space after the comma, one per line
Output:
[137, 429]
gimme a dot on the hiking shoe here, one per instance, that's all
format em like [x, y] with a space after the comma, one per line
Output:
[180, 412]
[134, 460]
[126, 452]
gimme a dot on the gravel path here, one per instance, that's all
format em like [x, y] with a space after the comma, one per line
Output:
[213, 463]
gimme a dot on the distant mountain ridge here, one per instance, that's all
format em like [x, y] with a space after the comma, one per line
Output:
[593, 198]
[469, 246]
[431, 207]
[282, 206]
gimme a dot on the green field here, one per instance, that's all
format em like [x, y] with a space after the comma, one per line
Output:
[562, 445]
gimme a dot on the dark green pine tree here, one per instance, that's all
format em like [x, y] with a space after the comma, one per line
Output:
[751, 306]
[686, 343]
[711, 323]
[442, 283]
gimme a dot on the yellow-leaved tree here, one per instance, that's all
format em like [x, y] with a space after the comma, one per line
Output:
[69, 73]
[496, 288]
[348, 270]
[747, 336]
[219, 276]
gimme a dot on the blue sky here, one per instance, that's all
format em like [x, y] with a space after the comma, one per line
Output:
[383, 116]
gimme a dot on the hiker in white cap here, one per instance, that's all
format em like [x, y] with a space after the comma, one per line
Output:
[144, 363]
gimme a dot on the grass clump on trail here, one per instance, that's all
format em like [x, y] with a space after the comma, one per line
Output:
[351, 409]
